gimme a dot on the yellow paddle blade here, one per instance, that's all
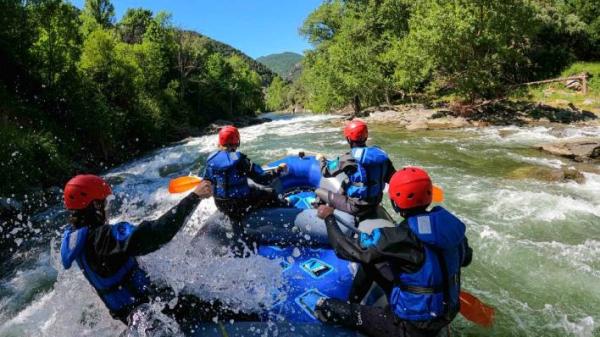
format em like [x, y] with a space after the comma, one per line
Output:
[183, 184]
[438, 194]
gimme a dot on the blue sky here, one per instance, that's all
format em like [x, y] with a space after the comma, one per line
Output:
[257, 27]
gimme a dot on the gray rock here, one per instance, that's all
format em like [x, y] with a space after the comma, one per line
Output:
[579, 149]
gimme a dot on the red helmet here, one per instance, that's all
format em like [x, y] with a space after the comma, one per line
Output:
[81, 190]
[411, 187]
[229, 135]
[356, 131]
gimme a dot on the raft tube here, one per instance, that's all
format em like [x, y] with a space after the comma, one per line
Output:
[297, 238]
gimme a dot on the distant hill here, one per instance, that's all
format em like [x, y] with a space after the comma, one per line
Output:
[285, 64]
[265, 72]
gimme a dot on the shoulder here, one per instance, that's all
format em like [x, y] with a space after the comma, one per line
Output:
[213, 155]
[376, 151]
[121, 231]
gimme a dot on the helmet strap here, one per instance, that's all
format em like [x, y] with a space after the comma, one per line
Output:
[92, 216]
[354, 144]
[405, 213]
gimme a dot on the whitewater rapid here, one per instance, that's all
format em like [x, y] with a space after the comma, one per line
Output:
[537, 244]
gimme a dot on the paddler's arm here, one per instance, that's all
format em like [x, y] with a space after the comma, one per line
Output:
[151, 235]
[466, 253]
[345, 163]
[360, 285]
[396, 245]
[345, 247]
[255, 172]
[390, 171]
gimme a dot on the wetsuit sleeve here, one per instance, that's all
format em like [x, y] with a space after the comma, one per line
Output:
[467, 253]
[345, 163]
[151, 235]
[360, 285]
[255, 172]
[390, 171]
[396, 245]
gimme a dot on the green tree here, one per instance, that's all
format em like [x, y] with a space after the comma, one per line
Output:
[350, 60]
[133, 24]
[102, 11]
[277, 95]
[474, 46]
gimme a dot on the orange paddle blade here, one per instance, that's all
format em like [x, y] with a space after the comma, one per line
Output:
[476, 311]
[438, 194]
[183, 184]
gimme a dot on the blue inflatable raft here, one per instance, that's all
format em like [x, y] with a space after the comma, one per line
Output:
[297, 238]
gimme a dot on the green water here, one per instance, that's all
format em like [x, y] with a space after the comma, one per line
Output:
[536, 243]
[537, 248]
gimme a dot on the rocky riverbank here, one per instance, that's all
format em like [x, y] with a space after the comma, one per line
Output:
[499, 112]
[583, 153]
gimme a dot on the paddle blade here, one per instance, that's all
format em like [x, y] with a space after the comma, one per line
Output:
[438, 194]
[183, 184]
[476, 311]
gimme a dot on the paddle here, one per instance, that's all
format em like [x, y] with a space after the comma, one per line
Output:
[476, 311]
[186, 183]
[183, 184]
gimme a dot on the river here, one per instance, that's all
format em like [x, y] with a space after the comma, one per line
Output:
[536, 243]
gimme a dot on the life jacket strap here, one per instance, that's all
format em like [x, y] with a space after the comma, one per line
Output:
[421, 290]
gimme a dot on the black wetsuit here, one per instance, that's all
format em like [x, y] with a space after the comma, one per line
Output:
[354, 206]
[397, 251]
[105, 255]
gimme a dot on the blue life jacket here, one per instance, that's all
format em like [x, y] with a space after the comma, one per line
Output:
[433, 291]
[367, 183]
[121, 292]
[228, 182]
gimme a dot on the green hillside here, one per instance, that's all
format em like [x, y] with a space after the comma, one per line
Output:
[282, 64]
[266, 73]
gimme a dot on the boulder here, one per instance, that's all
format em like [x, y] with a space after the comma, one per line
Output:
[447, 123]
[419, 124]
[578, 149]
[548, 174]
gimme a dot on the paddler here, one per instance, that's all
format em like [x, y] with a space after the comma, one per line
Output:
[416, 263]
[229, 171]
[367, 168]
[106, 253]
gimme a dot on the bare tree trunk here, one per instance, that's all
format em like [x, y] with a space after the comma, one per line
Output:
[356, 105]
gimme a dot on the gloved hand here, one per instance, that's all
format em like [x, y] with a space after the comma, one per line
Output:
[312, 300]
[324, 211]
[282, 168]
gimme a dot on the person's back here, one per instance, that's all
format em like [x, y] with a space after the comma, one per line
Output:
[367, 168]
[119, 281]
[417, 263]
[106, 254]
[229, 170]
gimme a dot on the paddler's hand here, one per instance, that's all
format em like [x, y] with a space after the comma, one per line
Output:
[282, 168]
[204, 189]
[320, 157]
[324, 211]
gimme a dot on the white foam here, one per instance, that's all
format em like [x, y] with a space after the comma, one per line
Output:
[512, 205]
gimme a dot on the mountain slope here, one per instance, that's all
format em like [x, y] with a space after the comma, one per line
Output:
[265, 73]
[283, 64]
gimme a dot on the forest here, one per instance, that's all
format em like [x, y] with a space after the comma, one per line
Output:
[81, 92]
[386, 51]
